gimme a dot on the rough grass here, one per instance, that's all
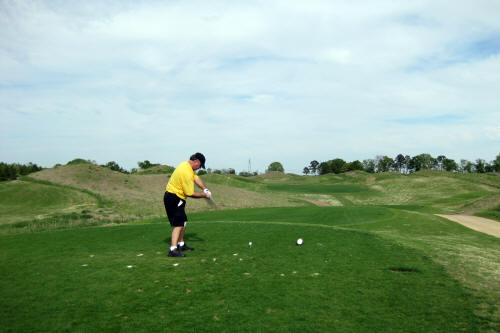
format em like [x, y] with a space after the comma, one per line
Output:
[141, 196]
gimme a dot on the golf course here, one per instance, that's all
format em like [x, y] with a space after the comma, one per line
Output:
[84, 249]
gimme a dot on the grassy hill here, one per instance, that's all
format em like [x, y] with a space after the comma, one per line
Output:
[375, 257]
[91, 194]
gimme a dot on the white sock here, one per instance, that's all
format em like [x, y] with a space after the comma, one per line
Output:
[181, 243]
[173, 248]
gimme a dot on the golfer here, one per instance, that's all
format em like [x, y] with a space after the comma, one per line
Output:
[179, 187]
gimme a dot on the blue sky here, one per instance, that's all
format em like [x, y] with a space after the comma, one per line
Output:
[287, 81]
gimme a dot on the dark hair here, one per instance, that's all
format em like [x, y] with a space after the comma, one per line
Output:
[200, 157]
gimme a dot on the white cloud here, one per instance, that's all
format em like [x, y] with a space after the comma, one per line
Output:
[288, 80]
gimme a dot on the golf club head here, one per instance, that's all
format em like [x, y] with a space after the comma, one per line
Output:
[211, 202]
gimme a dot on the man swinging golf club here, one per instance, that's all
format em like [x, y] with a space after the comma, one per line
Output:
[179, 187]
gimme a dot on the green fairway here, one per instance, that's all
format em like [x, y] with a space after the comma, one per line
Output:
[340, 280]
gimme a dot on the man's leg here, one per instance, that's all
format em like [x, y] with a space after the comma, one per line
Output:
[182, 245]
[181, 234]
[174, 251]
[176, 235]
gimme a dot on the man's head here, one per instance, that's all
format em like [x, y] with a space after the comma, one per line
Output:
[200, 158]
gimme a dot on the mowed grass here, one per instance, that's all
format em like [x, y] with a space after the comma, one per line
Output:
[341, 279]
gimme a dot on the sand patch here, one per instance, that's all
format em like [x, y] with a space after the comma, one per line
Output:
[477, 223]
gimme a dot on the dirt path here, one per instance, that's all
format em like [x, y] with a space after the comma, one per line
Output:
[477, 223]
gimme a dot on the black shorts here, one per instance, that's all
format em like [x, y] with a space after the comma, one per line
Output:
[174, 206]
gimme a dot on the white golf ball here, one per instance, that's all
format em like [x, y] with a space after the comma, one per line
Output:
[299, 241]
[249, 243]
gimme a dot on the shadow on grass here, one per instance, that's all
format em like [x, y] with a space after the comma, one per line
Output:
[187, 237]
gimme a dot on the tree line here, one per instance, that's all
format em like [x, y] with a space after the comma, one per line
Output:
[11, 171]
[404, 164]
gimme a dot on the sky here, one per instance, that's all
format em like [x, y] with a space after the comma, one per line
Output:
[248, 81]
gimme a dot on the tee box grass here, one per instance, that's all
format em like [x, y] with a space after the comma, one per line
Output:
[341, 279]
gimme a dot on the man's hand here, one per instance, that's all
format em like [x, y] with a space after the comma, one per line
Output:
[207, 193]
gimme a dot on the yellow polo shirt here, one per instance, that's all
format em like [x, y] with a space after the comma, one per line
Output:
[181, 182]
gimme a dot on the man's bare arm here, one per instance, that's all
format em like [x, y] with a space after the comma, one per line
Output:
[201, 185]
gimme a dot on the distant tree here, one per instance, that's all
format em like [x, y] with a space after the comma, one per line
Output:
[400, 162]
[466, 166]
[369, 165]
[336, 165]
[201, 172]
[14, 170]
[231, 171]
[384, 163]
[422, 161]
[496, 164]
[145, 165]
[313, 167]
[306, 171]
[80, 161]
[275, 166]
[440, 161]
[407, 163]
[115, 167]
[217, 171]
[356, 165]
[480, 165]
[489, 167]
[324, 168]
[450, 165]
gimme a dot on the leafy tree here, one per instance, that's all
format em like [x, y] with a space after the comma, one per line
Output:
[115, 167]
[440, 161]
[275, 166]
[369, 165]
[466, 166]
[247, 174]
[313, 167]
[324, 168]
[145, 165]
[420, 162]
[80, 161]
[306, 171]
[201, 172]
[496, 164]
[450, 165]
[407, 163]
[480, 166]
[400, 162]
[356, 165]
[336, 165]
[14, 170]
[384, 163]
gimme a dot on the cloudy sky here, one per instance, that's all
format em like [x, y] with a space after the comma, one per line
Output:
[287, 81]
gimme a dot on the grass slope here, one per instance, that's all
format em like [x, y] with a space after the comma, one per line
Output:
[21, 201]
